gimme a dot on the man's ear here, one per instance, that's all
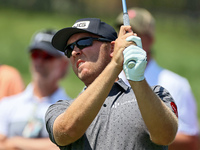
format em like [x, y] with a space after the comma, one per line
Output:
[112, 46]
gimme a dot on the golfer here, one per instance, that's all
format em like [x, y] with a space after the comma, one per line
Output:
[108, 114]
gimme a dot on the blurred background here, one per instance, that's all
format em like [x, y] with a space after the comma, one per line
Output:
[177, 44]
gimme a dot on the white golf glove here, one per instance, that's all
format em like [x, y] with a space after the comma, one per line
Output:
[134, 60]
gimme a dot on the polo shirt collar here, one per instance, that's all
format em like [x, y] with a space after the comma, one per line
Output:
[121, 83]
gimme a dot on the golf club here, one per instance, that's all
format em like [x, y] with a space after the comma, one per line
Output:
[126, 22]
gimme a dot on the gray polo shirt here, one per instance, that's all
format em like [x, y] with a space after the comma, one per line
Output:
[118, 125]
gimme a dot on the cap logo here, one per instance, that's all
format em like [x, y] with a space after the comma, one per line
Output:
[82, 24]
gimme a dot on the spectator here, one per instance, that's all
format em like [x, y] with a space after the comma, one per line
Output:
[143, 23]
[22, 124]
[11, 82]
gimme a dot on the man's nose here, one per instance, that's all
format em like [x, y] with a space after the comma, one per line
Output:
[76, 51]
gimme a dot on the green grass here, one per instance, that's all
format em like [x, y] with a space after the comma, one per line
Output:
[176, 48]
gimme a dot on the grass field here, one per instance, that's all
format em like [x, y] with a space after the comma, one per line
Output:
[177, 44]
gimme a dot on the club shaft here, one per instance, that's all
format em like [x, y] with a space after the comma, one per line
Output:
[124, 6]
[125, 14]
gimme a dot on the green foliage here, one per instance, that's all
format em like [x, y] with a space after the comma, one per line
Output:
[176, 48]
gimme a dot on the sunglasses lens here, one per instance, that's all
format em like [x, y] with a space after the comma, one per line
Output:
[69, 49]
[41, 54]
[68, 52]
[81, 43]
[34, 55]
[48, 57]
[84, 43]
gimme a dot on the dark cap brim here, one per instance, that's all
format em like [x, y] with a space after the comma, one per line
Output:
[60, 39]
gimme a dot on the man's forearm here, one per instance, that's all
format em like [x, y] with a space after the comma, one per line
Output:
[159, 119]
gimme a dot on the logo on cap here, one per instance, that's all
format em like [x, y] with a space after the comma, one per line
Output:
[82, 24]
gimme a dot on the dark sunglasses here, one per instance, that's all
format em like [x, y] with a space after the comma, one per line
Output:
[35, 54]
[82, 43]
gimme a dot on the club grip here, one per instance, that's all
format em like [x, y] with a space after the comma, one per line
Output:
[131, 63]
[126, 19]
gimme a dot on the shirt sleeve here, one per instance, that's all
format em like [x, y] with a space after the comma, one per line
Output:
[52, 113]
[166, 97]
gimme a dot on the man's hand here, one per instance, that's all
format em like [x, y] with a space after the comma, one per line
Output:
[134, 54]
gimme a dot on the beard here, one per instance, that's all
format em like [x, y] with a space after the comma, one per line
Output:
[88, 74]
[93, 67]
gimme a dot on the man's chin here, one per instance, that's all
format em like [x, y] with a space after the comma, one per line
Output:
[86, 79]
